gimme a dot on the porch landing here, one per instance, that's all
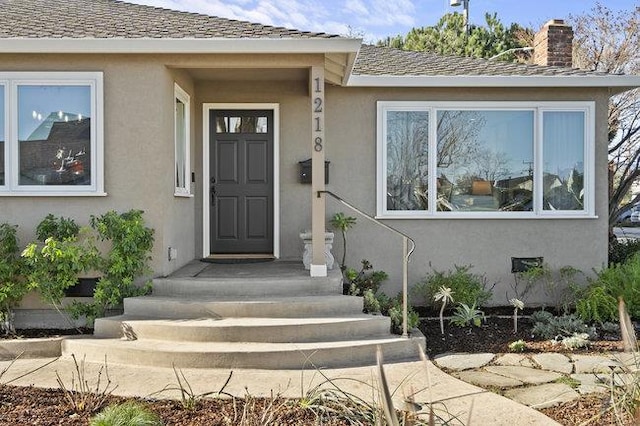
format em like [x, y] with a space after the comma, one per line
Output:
[269, 315]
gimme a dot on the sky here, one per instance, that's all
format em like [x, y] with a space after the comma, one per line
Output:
[373, 20]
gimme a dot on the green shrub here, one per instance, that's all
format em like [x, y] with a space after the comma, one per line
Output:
[466, 287]
[371, 303]
[124, 264]
[58, 228]
[126, 414]
[13, 286]
[565, 326]
[599, 300]
[621, 251]
[53, 265]
[395, 313]
[365, 279]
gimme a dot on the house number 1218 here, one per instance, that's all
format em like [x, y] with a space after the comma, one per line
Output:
[317, 114]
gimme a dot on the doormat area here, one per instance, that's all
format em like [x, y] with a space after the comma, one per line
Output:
[236, 261]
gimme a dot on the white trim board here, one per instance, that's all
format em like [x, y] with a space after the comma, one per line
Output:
[182, 45]
[206, 107]
[621, 81]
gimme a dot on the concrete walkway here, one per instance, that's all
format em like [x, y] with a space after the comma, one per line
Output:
[540, 380]
[453, 397]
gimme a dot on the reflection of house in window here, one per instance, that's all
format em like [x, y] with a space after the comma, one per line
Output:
[514, 194]
[57, 152]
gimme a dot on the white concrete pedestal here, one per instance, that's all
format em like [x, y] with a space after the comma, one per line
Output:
[307, 254]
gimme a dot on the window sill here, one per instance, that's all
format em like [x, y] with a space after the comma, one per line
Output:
[179, 195]
[472, 216]
[53, 194]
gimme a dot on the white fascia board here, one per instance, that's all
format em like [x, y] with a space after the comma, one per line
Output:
[621, 81]
[183, 45]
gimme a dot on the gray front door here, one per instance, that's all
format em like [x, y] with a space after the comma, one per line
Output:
[241, 181]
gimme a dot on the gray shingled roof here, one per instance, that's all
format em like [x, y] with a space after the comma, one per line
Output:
[116, 19]
[384, 61]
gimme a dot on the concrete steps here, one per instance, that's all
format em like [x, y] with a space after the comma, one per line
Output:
[287, 356]
[245, 307]
[273, 330]
[255, 317]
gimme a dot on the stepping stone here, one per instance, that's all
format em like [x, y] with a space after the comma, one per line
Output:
[514, 360]
[627, 359]
[463, 361]
[524, 374]
[593, 364]
[554, 362]
[543, 396]
[592, 383]
[487, 380]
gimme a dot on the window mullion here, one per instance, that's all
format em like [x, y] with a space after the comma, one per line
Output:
[433, 161]
[538, 167]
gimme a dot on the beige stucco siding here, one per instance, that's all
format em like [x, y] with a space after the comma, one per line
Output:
[488, 244]
[139, 164]
[138, 151]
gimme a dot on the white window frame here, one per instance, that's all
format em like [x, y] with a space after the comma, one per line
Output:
[587, 107]
[182, 96]
[11, 82]
[5, 84]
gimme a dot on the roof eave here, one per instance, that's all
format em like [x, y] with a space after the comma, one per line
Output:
[181, 45]
[618, 83]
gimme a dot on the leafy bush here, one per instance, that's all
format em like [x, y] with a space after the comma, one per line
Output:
[365, 279]
[550, 327]
[13, 286]
[54, 265]
[395, 313]
[621, 251]
[126, 414]
[466, 287]
[371, 302]
[599, 300]
[58, 228]
[126, 261]
[518, 346]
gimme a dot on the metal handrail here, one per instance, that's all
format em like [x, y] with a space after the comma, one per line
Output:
[406, 254]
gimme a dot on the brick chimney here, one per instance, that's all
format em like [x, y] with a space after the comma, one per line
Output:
[553, 44]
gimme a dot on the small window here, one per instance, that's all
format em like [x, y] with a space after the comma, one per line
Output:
[232, 124]
[182, 138]
[51, 133]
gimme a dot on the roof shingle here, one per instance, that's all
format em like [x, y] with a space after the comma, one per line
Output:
[117, 19]
[386, 61]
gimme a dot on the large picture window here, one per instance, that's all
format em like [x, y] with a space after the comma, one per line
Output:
[484, 159]
[53, 140]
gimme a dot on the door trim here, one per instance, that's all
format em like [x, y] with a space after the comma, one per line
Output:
[206, 108]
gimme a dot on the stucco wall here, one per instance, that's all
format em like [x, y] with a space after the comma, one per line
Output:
[139, 161]
[138, 146]
[488, 244]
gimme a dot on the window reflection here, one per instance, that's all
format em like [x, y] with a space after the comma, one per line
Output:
[485, 160]
[407, 160]
[54, 134]
[563, 147]
[231, 124]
